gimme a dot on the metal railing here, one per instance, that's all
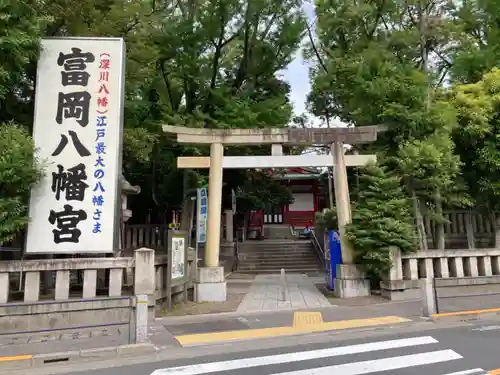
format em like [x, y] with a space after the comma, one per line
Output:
[320, 252]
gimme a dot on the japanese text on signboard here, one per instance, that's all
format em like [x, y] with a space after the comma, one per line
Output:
[69, 183]
[100, 140]
[77, 132]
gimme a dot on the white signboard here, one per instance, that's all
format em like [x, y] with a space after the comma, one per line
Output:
[201, 218]
[178, 252]
[78, 132]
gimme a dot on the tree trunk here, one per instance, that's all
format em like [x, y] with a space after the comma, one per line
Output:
[469, 229]
[439, 240]
[419, 219]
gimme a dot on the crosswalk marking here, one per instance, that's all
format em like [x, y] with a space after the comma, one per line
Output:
[359, 366]
[474, 371]
[385, 364]
[206, 368]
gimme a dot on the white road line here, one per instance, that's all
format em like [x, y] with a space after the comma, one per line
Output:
[204, 368]
[379, 365]
[473, 371]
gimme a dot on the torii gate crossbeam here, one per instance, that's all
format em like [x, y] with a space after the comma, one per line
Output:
[275, 161]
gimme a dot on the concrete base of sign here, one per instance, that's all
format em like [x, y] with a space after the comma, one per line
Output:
[351, 282]
[210, 285]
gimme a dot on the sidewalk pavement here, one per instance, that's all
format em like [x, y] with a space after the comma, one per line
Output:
[260, 314]
[173, 333]
[266, 294]
[205, 329]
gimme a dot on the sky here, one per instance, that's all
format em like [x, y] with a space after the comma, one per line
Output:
[297, 73]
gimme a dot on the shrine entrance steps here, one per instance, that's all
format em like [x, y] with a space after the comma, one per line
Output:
[270, 256]
[278, 232]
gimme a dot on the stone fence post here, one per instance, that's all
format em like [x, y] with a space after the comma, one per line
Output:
[428, 297]
[144, 294]
[396, 272]
[394, 286]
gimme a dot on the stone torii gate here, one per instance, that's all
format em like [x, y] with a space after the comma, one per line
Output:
[211, 284]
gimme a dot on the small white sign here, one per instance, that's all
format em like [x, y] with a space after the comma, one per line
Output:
[78, 132]
[201, 218]
[178, 261]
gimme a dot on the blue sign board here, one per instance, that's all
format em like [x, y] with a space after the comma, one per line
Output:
[335, 257]
[201, 222]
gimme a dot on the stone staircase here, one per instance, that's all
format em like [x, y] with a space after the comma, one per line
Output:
[270, 256]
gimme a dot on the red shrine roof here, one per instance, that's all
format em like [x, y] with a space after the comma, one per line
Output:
[298, 173]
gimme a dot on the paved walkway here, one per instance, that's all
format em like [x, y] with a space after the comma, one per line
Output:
[265, 294]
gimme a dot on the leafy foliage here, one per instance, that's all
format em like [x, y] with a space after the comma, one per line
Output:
[478, 107]
[260, 191]
[20, 29]
[19, 171]
[328, 219]
[381, 220]
[200, 63]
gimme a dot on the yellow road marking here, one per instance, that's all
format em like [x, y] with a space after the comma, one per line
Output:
[248, 334]
[494, 372]
[301, 319]
[15, 358]
[466, 312]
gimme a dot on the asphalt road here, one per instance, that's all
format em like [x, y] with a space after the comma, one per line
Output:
[466, 350]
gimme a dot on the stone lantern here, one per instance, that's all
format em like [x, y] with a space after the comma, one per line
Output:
[127, 189]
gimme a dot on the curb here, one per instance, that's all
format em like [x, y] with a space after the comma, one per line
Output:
[85, 355]
[185, 319]
[305, 325]
[468, 315]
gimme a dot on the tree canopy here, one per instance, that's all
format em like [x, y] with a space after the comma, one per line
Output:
[425, 69]
[198, 63]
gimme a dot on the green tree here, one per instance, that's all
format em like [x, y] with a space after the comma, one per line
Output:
[19, 171]
[477, 138]
[373, 67]
[200, 63]
[20, 30]
[475, 50]
[260, 191]
[381, 220]
[216, 67]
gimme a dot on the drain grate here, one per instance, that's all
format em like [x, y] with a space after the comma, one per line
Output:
[56, 360]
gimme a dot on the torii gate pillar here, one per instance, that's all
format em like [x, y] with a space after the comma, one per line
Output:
[211, 284]
[214, 204]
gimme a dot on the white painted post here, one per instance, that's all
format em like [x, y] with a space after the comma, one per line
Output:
[428, 297]
[144, 289]
[141, 318]
[283, 285]
[4, 287]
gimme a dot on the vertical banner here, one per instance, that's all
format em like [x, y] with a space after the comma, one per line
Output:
[201, 218]
[78, 129]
